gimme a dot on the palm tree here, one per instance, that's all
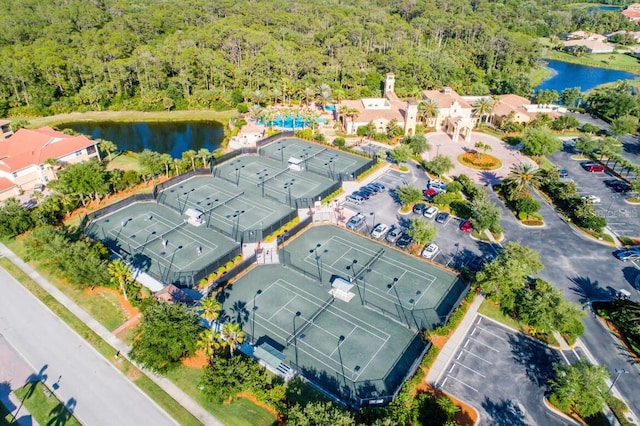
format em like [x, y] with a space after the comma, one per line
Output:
[191, 155]
[120, 274]
[428, 111]
[522, 176]
[324, 94]
[52, 164]
[483, 108]
[210, 309]
[233, 334]
[275, 94]
[211, 343]
[258, 97]
[167, 160]
[204, 153]
[353, 113]
[342, 114]
[484, 147]
[176, 164]
[307, 94]
[254, 111]
[108, 147]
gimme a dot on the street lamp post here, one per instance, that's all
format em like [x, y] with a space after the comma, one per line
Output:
[373, 222]
[295, 338]
[438, 149]
[344, 378]
[619, 372]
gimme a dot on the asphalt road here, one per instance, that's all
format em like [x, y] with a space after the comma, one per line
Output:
[585, 271]
[503, 374]
[96, 392]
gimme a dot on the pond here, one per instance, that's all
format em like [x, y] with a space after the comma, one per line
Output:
[567, 75]
[165, 137]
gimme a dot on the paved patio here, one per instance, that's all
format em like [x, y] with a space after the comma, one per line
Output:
[509, 155]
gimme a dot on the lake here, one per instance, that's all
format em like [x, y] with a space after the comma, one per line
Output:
[165, 137]
[567, 75]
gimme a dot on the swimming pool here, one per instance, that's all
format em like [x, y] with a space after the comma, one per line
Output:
[290, 122]
[330, 108]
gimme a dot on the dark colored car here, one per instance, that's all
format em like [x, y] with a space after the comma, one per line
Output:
[442, 217]
[419, 208]
[627, 254]
[366, 190]
[466, 226]
[362, 194]
[378, 185]
[563, 173]
[404, 241]
[372, 188]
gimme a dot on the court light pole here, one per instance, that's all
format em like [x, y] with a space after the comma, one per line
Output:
[412, 302]
[171, 261]
[344, 378]
[186, 199]
[353, 278]
[393, 286]
[315, 250]
[619, 372]
[254, 308]
[331, 168]
[238, 170]
[295, 338]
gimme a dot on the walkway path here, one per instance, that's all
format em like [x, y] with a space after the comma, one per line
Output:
[14, 373]
[176, 393]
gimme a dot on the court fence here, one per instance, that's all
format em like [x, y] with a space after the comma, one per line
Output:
[228, 275]
[89, 217]
[157, 189]
[369, 392]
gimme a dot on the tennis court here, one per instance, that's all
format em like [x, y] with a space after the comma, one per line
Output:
[350, 352]
[319, 159]
[401, 287]
[158, 241]
[229, 209]
[272, 179]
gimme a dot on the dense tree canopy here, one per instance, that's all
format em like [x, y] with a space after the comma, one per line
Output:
[63, 56]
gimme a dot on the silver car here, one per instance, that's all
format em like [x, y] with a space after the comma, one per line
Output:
[379, 231]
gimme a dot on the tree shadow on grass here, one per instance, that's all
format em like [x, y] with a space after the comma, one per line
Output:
[537, 359]
[61, 413]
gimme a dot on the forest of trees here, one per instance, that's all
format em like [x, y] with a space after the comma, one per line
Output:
[68, 55]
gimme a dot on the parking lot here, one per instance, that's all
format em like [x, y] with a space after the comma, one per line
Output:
[622, 218]
[489, 354]
[456, 248]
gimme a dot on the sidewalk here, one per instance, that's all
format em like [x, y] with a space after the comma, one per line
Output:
[14, 373]
[176, 393]
[450, 348]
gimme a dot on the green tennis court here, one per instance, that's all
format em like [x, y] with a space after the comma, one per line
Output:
[351, 352]
[227, 208]
[272, 179]
[319, 159]
[158, 241]
[401, 287]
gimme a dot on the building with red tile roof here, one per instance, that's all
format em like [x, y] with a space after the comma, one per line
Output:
[454, 114]
[23, 157]
[632, 12]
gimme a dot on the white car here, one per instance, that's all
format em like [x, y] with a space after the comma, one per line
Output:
[430, 251]
[591, 198]
[379, 231]
[430, 212]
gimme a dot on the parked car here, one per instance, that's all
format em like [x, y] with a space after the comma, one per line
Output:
[437, 185]
[404, 241]
[372, 188]
[591, 198]
[365, 190]
[419, 208]
[378, 185]
[466, 226]
[632, 253]
[618, 185]
[563, 173]
[364, 195]
[595, 168]
[394, 233]
[379, 231]
[429, 193]
[430, 251]
[356, 222]
[355, 198]
[442, 217]
[430, 212]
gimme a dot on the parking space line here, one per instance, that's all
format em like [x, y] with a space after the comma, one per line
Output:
[473, 331]
[474, 355]
[460, 381]
[493, 334]
[483, 344]
[471, 369]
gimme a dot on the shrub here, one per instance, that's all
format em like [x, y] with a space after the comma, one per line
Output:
[319, 137]
[339, 142]
[445, 199]
[461, 209]
[454, 186]
[229, 265]
[242, 108]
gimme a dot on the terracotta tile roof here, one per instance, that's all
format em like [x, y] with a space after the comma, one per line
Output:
[508, 103]
[634, 15]
[6, 184]
[594, 45]
[33, 147]
[445, 97]
[396, 111]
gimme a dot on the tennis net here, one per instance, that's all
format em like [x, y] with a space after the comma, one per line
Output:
[371, 261]
[159, 235]
[222, 203]
[310, 321]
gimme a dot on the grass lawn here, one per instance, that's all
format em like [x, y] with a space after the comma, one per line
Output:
[489, 309]
[132, 116]
[124, 161]
[240, 412]
[104, 307]
[616, 61]
[174, 409]
[44, 407]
